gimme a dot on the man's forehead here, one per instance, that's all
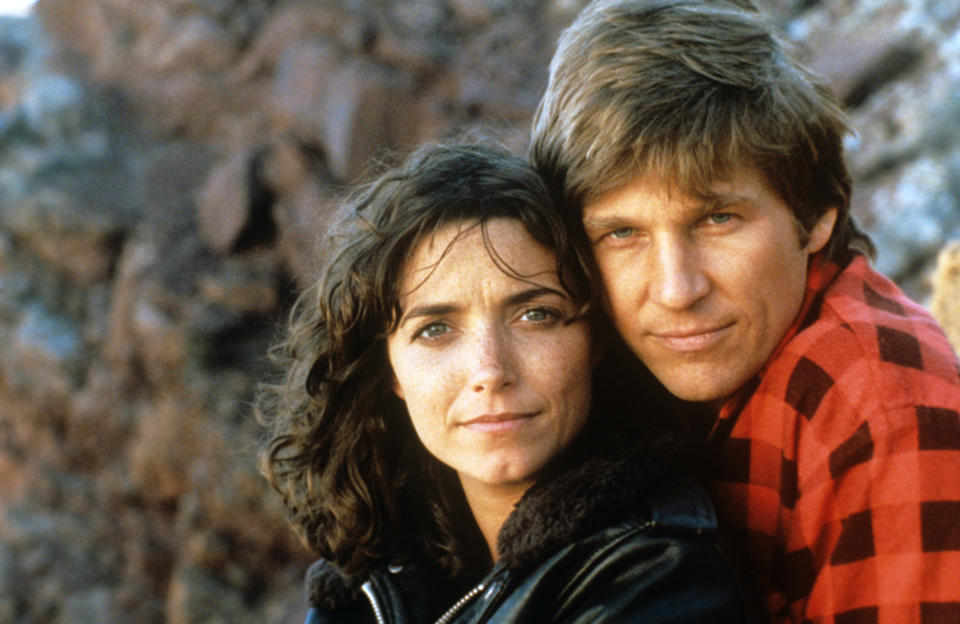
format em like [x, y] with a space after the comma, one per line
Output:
[725, 186]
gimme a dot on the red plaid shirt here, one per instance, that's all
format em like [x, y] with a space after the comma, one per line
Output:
[838, 469]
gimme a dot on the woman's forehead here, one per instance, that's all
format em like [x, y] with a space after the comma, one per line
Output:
[470, 245]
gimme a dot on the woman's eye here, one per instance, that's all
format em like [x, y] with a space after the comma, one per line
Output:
[433, 330]
[624, 232]
[539, 315]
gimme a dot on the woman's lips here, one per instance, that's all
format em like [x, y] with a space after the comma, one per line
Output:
[690, 341]
[494, 423]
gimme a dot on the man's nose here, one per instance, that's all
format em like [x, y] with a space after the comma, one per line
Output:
[679, 280]
[492, 361]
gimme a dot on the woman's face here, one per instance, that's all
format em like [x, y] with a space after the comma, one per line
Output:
[496, 383]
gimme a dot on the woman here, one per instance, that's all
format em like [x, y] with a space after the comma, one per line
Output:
[436, 439]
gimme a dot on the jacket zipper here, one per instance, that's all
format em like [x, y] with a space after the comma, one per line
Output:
[367, 589]
[370, 593]
[452, 611]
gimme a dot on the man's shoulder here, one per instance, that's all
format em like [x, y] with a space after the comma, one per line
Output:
[864, 315]
[860, 295]
[867, 346]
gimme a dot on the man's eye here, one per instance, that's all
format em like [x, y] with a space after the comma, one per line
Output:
[624, 232]
[538, 315]
[719, 218]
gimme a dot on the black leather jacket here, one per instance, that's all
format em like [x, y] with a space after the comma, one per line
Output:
[607, 541]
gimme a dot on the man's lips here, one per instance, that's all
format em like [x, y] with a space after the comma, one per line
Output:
[692, 340]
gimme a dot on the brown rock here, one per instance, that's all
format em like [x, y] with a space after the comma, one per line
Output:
[288, 26]
[945, 303]
[300, 87]
[166, 446]
[300, 221]
[509, 54]
[78, 25]
[245, 286]
[224, 203]
[94, 605]
[285, 167]
[208, 550]
[856, 64]
[147, 331]
[472, 12]
[198, 45]
[42, 357]
[197, 597]
[368, 109]
[77, 241]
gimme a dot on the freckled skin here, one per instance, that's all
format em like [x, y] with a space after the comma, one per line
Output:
[496, 383]
[702, 291]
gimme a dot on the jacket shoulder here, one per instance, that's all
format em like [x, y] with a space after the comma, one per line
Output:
[661, 560]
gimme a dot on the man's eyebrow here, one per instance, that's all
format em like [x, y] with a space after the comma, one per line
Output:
[723, 200]
[717, 202]
[604, 222]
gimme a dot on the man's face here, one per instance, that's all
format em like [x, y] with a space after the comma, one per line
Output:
[702, 291]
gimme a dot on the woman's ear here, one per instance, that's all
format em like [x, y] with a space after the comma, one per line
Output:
[598, 349]
[397, 388]
[600, 340]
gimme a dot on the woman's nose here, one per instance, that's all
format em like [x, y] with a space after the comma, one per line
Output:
[491, 361]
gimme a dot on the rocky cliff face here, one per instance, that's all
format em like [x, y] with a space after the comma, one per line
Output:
[165, 169]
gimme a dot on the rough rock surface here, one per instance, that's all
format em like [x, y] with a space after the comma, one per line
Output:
[165, 167]
[945, 302]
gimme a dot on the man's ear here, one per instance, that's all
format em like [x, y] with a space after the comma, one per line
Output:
[821, 230]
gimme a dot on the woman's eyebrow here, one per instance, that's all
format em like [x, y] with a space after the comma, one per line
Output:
[429, 309]
[442, 309]
[533, 293]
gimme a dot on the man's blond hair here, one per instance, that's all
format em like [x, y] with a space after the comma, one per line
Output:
[689, 90]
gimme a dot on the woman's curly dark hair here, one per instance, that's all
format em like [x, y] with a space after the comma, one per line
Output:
[359, 487]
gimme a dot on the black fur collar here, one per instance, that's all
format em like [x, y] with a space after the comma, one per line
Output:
[589, 495]
[582, 495]
[326, 587]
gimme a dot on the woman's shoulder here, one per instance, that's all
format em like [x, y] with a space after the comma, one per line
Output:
[658, 559]
[675, 517]
[682, 506]
[628, 488]
[329, 589]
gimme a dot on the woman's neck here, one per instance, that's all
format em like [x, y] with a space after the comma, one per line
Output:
[490, 505]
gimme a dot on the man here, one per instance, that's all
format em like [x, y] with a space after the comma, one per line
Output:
[707, 170]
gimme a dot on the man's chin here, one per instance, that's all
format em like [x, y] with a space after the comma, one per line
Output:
[697, 386]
